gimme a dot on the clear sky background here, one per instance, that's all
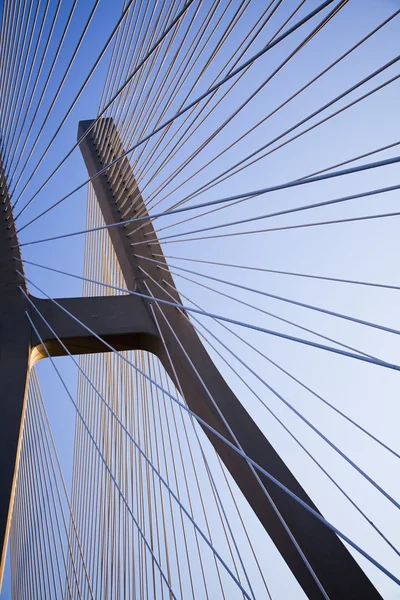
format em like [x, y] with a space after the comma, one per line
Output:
[366, 251]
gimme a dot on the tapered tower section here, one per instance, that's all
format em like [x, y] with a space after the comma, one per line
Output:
[205, 391]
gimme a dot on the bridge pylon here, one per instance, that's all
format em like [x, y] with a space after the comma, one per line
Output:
[127, 323]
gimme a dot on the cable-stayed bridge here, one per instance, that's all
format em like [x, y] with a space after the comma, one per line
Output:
[199, 239]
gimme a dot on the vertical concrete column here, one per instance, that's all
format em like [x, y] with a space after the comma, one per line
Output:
[14, 365]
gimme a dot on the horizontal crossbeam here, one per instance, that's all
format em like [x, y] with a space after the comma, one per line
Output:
[122, 321]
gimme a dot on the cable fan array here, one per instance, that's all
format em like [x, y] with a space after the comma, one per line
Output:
[260, 137]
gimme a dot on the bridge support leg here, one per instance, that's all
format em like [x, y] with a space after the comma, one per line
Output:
[14, 366]
[122, 321]
[337, 571]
